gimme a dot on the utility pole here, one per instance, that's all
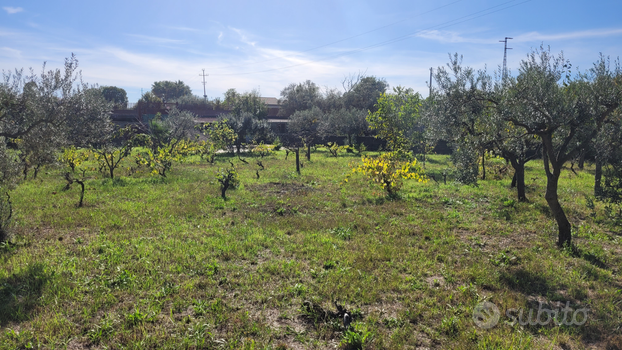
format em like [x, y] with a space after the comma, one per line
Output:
[204, 75]
[505, 55]
[430, 81]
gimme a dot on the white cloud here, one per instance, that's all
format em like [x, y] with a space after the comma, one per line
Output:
[9, 52]
[243, 37]
[155, 40]
[452, 37]
[535, 36]
[183, 29]
[12, 10]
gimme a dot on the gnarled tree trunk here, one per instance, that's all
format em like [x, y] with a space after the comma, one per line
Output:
[552, 181]
[519, 179]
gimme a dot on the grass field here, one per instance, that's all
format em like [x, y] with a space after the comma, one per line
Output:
[165, 263]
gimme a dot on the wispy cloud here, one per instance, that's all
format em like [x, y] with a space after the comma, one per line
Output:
[454, 37]
[183, 29]
[535, 36]
[9, 52]
[243, 36]
[451, 37]
[146, 39]
[12, 10]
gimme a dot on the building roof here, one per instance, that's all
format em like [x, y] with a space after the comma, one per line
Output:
[270, 100]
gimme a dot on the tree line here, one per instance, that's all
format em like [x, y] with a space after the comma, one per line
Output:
[546, 111]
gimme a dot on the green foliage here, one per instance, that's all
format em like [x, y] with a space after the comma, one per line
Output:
[6, 216]
[334, 148]
[450, 326]
[304, 125]
[42, 113]
[247, 129]
[277, 144]
[262, 150]
[299, 97]
[344, 233]
[179, 253]
[161, 160]
[397, 118]
[363, 92]
[220, 134]
[356, 337]
[117, 96]
[114, 148]
[102, 330]
[169, 90]
[466, 161]
[74, 157]
[150, 99]
[245, 103]
[228, 179]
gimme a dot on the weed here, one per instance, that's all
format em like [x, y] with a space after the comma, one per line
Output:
[135, 318]
[355, 337]
[450, 326]
[344, 233]
[102, 330]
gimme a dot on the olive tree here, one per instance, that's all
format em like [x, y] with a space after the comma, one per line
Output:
[565, 112]
[468, 110]
[247, 128]
[459, 113]
[304, 126]
[346, 122]
[54, 103]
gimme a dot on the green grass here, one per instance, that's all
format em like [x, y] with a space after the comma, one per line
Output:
[165, 263]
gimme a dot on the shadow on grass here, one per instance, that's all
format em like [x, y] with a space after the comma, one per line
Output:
[7, 249]
[588, 256]
[19, 293]
[525, 282]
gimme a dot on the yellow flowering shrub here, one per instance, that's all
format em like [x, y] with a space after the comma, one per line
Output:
[389, 170]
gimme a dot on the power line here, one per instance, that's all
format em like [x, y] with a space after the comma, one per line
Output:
[391, 41]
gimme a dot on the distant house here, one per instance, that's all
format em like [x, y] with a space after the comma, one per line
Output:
[140, 114]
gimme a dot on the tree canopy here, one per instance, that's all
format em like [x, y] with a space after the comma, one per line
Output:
[55, 105]
[247, 102]
[116, 95]
[169, 90]
[299, 97]
[396, 118]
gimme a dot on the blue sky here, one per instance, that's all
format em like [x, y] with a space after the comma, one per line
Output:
[269, 44]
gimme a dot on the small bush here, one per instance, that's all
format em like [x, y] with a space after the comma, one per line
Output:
[228, 178]
[389, 170]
